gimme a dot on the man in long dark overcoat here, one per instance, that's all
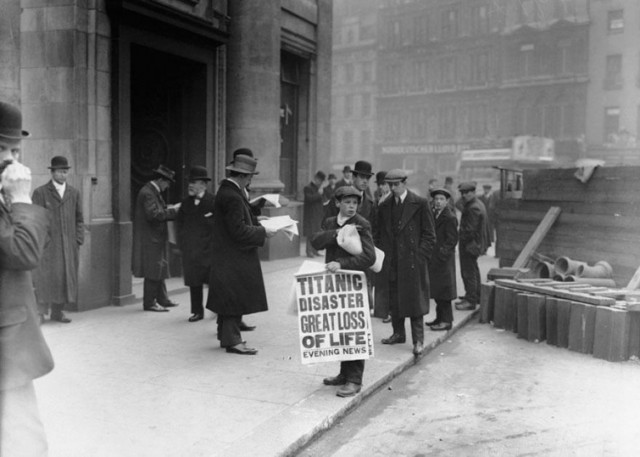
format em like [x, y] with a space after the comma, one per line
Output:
[24, 354]
[150, 240]
[195, 237]
[405, 231]
[313, 210]
[474, 242]
[442, 266]
[56, 279]
[236, 285]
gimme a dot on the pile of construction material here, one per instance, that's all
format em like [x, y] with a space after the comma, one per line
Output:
[591, 319]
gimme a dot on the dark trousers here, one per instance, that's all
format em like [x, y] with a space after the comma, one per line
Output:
[196, 300]
[352, 370]
[444, 313]
[154, 290]
[470, 276]
[397, 321]
[56, 308]
[229, 330]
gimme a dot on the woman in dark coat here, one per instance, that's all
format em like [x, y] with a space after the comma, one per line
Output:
[442, 267]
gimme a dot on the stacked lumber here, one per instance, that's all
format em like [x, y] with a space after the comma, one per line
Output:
[593, 320]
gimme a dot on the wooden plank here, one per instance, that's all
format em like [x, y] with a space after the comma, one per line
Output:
[635, 281]
[558, 293]
[537, 237]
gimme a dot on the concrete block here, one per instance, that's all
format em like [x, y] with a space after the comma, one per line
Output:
[564, 317]
[32, 49]
[551, 316]
[634, 334]
[582, 325]
[34, 85]
[60, 17]
[523, 326]
[536, 319]
[59, 48]
[611, 340]
[103, 62]
[103, 88]
[487, 299]
[32, 19]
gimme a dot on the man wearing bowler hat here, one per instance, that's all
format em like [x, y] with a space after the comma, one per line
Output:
[473, 243]
[56, 279]
[236, 284]
[195, 237]
[150, 240]
[24, 354]
[346, 177]
[361, 174]
[405, 231]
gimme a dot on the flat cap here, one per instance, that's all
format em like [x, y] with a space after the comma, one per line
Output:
[396, 175]
[347, 191]
[467, 186]
[441, 191]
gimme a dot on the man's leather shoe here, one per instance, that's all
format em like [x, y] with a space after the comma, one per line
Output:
[418, 348]
[242, 349]
[335, 381]
[394, 339]
[386, 320]
[196, 317]
[432, 323]
[170, 304]
[246, 328]
[465, 306]
[441, 326]
[157, 308]
[60, 317]
[348, 390]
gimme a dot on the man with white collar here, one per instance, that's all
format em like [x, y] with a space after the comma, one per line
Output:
[405, 231]
[56, 280]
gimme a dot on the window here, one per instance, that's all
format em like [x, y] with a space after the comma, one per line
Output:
[348, 105]
[367, 32]
[367, 72]
[348, 73]
[421, 28]
[365, 143]
[611, 124]
[479, 68]
[449, 24]
[615, 21]
[479, 20]
[447, 72]
[366, 105]
[347, 143]
[526, 60]
[613, 72]
[446, 122]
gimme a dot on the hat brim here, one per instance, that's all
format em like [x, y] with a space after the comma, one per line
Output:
[60, 167]
[240, 170]
[164, 175]
[198, 178]
[23, 134]
[364, 173]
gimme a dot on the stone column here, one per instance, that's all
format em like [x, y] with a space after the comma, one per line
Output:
[10, 51]
[253, 87]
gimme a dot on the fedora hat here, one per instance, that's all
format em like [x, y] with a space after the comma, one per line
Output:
[362, 167]
[242, 152]
[59, 163]
[380, 177]
[244, 164]
[11, 122]
[165, 172]
[346, 169]
[198, 172]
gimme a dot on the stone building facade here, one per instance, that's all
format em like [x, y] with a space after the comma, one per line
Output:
[120, 86]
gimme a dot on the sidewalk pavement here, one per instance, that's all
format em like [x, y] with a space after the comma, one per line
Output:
[129, 383]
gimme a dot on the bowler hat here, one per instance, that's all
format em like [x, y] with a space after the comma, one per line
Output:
[362, 168]
[346, 169]
[467, 186]
[244, 164]
[440, 191]
[198, 172]
[165, 172]
[11, 122]
[320, 174]
[347, 191]
[59, 163]
[331, 176]
[380, 177]
[396, 175]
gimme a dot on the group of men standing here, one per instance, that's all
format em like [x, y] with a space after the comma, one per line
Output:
[418, 236]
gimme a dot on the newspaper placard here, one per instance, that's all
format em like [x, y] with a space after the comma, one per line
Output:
[333, 316]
